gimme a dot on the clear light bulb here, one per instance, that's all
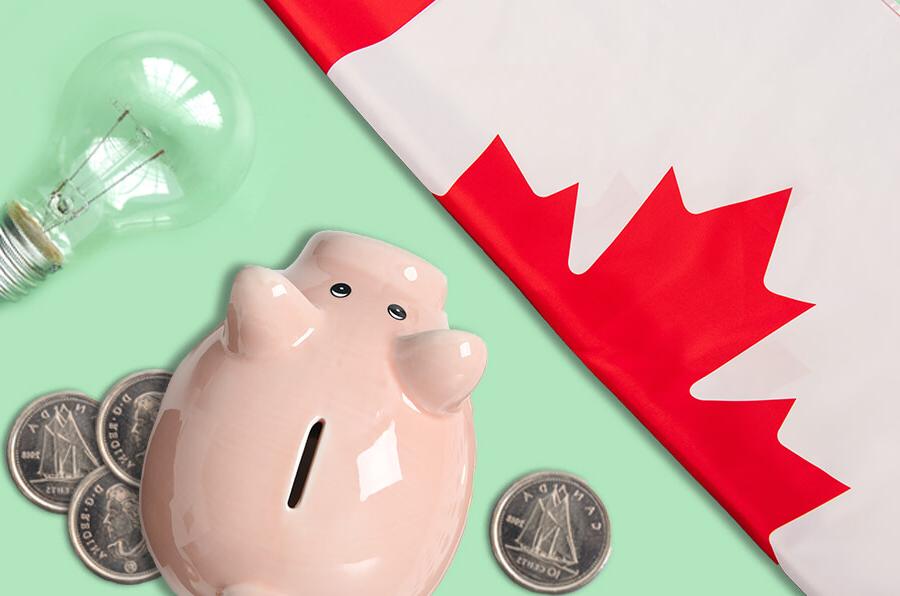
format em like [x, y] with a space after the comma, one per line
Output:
[155, 130]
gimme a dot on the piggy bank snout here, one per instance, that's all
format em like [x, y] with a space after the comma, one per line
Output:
[439, 369]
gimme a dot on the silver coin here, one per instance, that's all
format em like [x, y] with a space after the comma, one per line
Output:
[126, 419]
[550, 532]
[105, 529]
[52, 446]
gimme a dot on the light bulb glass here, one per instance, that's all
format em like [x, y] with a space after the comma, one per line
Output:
[155, 130]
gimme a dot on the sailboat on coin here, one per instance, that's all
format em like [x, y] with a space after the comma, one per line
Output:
[65, 454]
[52, 446]
[547, 533]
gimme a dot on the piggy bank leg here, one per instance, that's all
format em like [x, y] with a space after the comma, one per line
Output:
[249, 589]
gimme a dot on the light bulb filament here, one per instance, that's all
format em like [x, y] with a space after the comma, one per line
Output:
[88, 203]
[90, 155]
[111, 160]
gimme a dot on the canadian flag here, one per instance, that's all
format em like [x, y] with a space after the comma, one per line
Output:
[703, 199]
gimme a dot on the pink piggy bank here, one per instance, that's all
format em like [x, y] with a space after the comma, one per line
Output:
[320, 441]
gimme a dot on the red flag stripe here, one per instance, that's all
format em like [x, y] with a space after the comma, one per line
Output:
[330, 30]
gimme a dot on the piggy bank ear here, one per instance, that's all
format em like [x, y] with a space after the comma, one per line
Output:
[439, 369]
[267, 314]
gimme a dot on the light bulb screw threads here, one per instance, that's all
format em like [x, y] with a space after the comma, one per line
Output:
[23, 264]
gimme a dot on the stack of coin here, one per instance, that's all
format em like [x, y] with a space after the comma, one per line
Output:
[69, 453]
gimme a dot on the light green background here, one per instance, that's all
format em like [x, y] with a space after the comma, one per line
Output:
[144, 302]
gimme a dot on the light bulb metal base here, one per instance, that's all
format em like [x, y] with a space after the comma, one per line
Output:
[22, 263]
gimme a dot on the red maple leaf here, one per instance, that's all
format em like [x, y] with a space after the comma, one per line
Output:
[672, 299]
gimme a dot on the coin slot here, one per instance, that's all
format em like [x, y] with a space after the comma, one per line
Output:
[306, 461]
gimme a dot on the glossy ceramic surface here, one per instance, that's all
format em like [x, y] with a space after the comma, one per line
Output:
[386, 494]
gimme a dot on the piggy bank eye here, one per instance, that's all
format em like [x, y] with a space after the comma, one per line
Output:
[340, 290]
[397, 311]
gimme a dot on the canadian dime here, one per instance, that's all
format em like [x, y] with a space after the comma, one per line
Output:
[52, 446]
[126, 419]
[105, 529]
[550, 532]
